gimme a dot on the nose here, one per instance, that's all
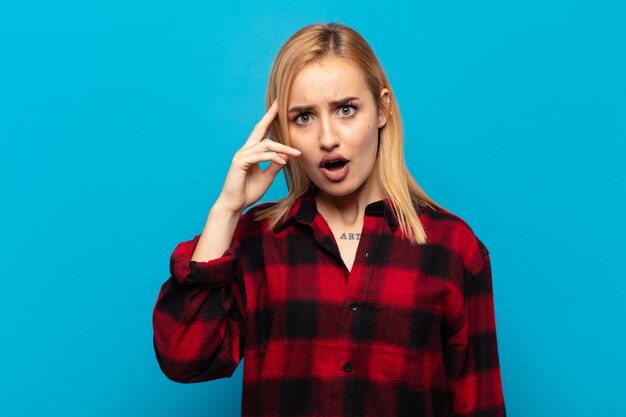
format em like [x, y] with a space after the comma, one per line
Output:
[328, 139]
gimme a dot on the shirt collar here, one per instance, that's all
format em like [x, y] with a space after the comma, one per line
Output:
[304, 210]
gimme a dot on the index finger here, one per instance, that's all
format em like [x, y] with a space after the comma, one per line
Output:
[263, 126]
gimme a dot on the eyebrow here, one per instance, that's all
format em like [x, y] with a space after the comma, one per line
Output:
[302, 109]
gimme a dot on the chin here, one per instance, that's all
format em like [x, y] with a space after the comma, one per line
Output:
[337, 189]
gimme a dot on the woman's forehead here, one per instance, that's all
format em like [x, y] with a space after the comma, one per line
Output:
[327, 82]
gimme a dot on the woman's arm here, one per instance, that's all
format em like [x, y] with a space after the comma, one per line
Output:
[217, 234]
[199, 316]
[471, 352]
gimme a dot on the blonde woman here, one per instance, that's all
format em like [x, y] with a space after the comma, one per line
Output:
[355, 294]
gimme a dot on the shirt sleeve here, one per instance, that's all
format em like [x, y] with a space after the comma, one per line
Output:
[199, 316]
[471, 352]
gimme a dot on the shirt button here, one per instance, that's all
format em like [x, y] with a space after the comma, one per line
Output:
[354, 307]
[347, 367]
[366, 253]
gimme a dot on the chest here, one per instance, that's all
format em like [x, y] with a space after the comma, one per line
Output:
[348, 253]
[322, 263]
[347, 239]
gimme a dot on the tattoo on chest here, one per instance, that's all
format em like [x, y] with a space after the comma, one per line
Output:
[350, 236]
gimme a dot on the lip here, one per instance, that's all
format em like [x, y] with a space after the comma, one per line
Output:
[332, 157]
[337, 175]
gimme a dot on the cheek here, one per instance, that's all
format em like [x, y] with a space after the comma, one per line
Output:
[299, 135]
[363, 136]
[303, 145]
[297, 141]
[304, 141]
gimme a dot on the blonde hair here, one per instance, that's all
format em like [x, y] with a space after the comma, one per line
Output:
[314, 43]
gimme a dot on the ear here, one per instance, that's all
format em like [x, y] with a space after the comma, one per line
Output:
[384, 109]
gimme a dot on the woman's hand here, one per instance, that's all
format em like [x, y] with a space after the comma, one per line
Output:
[245, 182]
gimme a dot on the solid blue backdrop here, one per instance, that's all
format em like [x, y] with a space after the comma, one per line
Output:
[118, 122]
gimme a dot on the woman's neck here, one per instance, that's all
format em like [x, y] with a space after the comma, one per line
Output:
[348, 210]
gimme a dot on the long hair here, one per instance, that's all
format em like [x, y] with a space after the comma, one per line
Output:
[312, 44]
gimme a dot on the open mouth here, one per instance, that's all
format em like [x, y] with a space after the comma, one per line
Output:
[335, 165]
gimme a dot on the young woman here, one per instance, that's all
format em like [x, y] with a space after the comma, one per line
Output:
[354, 295]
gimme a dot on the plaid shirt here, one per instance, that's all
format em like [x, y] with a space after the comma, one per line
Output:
[410, 331]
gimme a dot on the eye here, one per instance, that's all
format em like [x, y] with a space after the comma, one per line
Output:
[346, 110]
[305, 118]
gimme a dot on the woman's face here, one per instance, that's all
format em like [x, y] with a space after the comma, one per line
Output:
[332, 111]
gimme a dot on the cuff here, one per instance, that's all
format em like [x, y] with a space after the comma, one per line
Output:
[217, 272]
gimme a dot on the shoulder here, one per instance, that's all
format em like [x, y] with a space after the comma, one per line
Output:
[250, 218]
[450, 230]
[251, 213]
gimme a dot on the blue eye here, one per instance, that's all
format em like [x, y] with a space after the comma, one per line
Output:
[351, 105]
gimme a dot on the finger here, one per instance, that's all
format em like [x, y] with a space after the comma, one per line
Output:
[254, 158]
[269, 144]
[281, 147]
[263, 126]
[271, 171]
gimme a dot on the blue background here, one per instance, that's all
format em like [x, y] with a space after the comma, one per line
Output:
[118, 121]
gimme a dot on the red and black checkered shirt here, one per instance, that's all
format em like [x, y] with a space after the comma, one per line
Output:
[410, 331]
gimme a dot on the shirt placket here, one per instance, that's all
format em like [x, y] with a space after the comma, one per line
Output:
[347, 364]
